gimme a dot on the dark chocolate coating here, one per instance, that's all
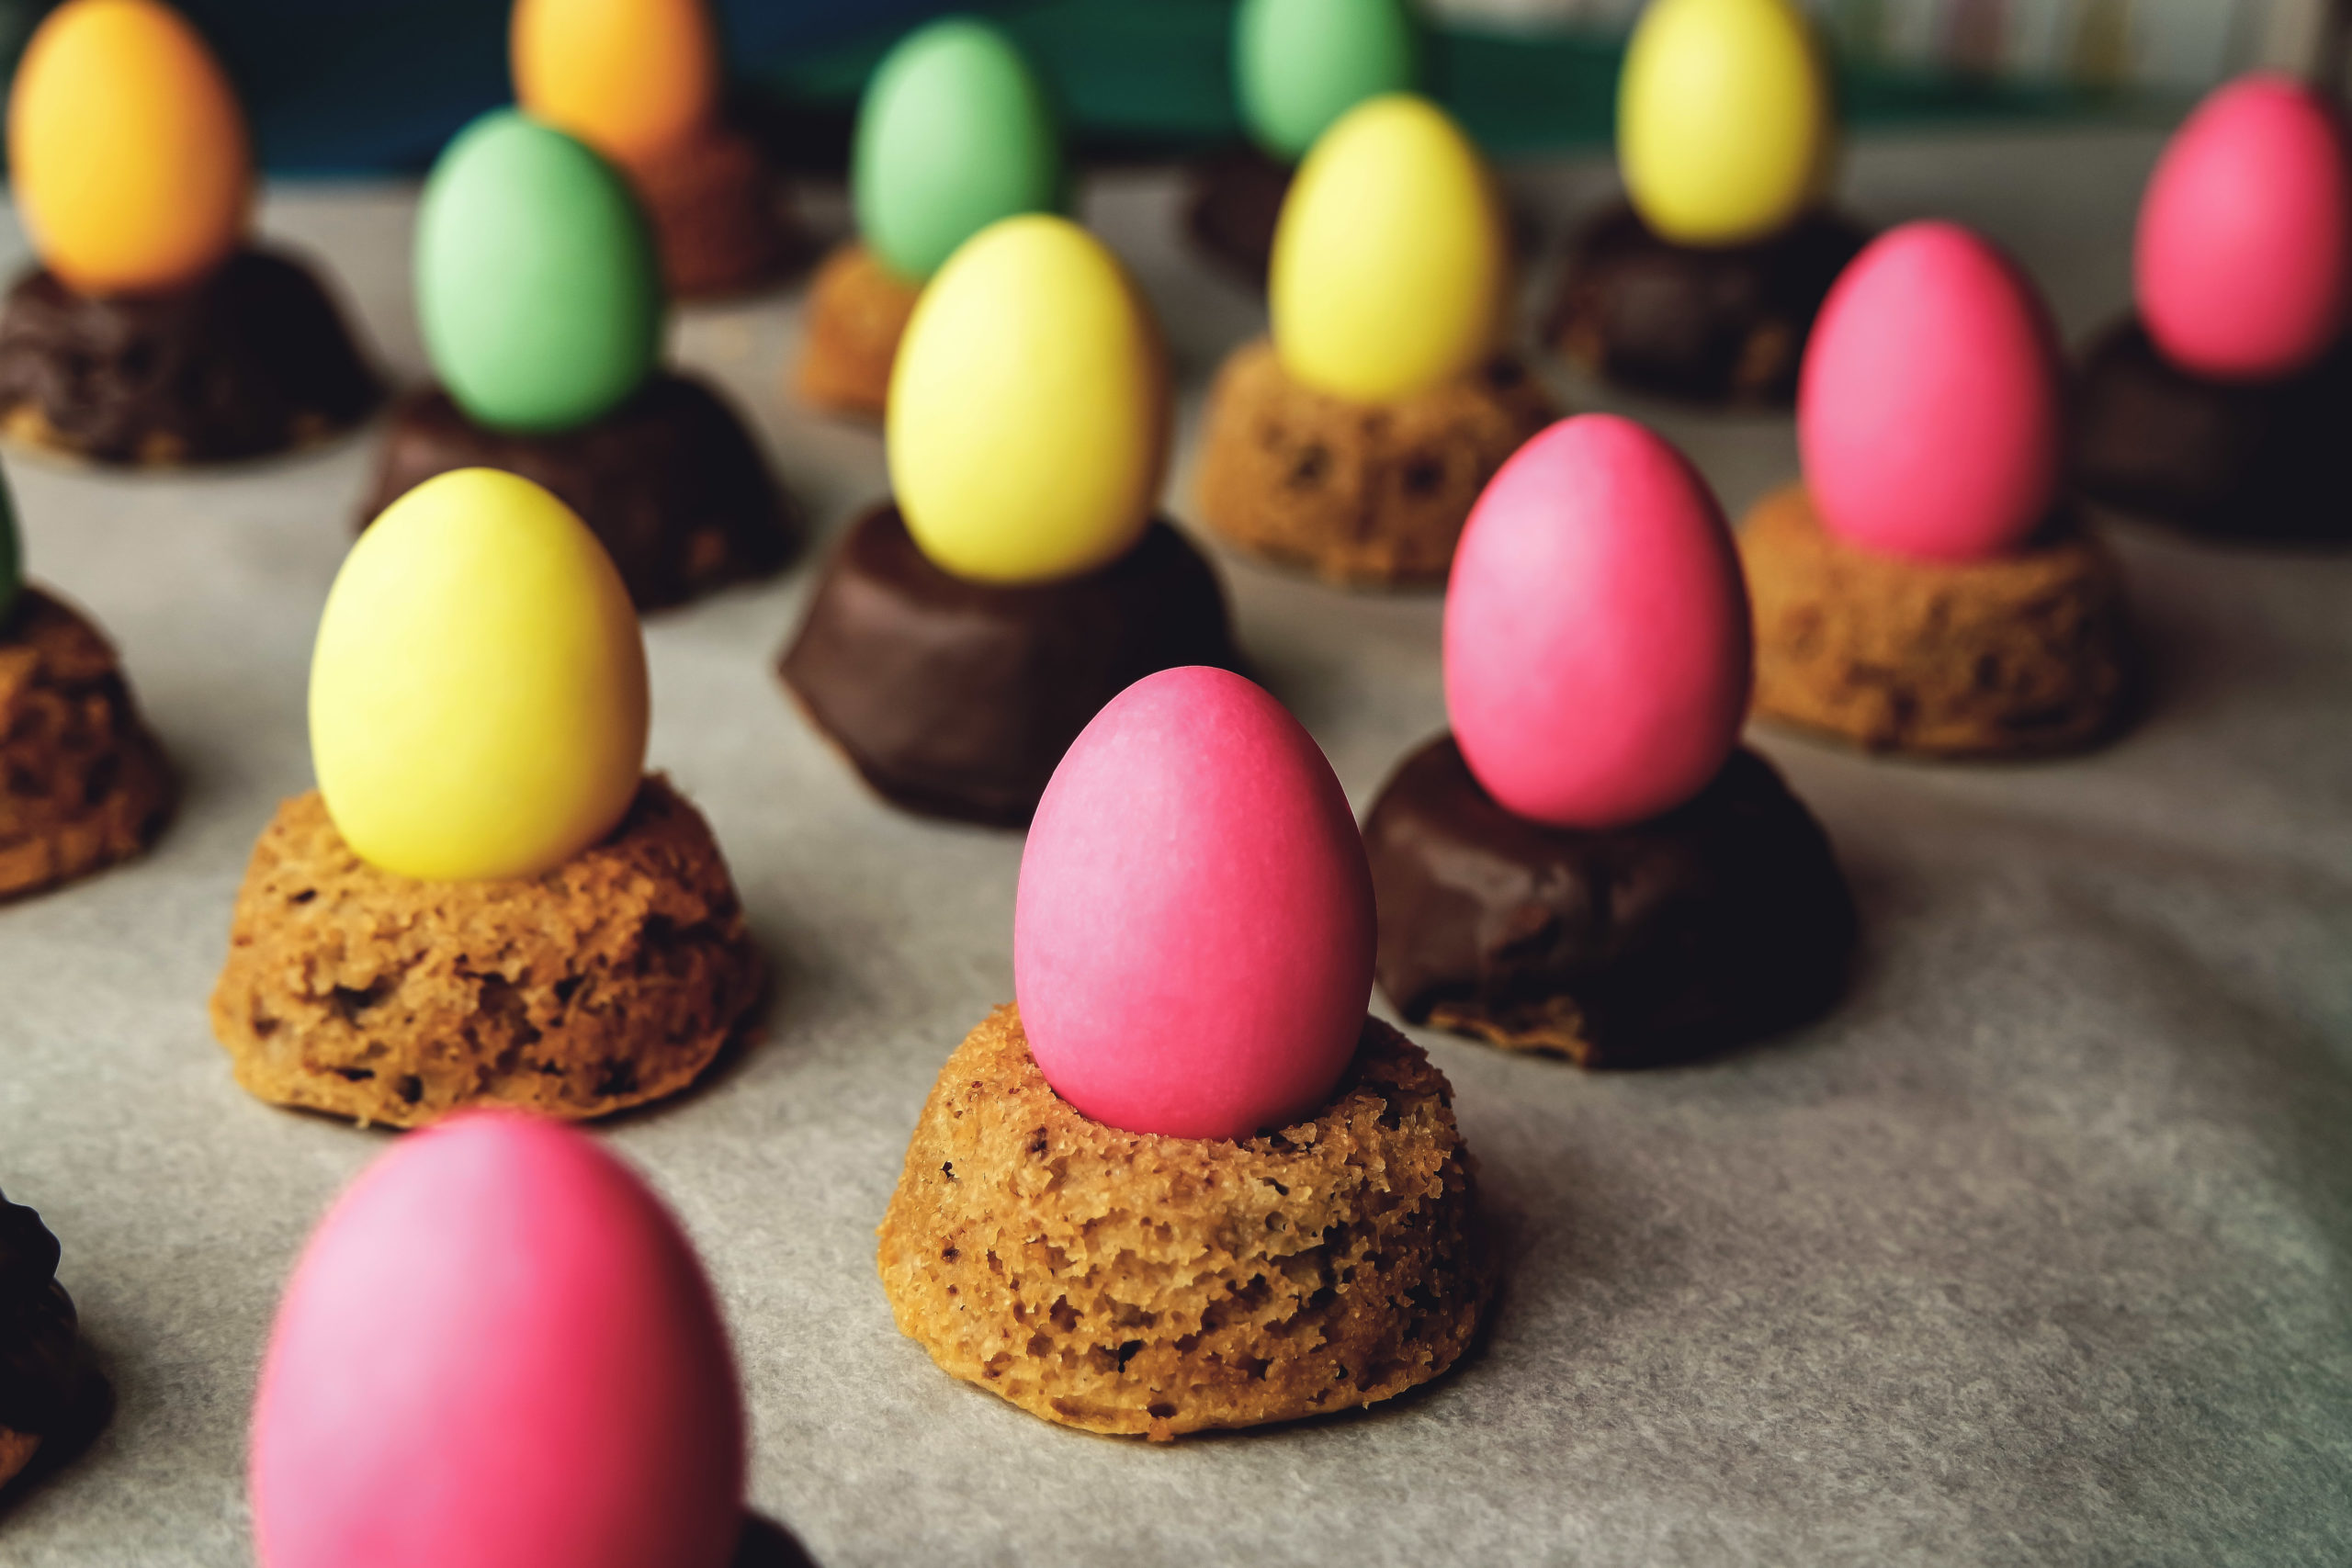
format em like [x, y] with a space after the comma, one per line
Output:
[1713, 325]
[956, 698]
[2269, 461]
[38, 1369]
[1237, 200]
[1723, 921]
[253, 359]
[671, 481]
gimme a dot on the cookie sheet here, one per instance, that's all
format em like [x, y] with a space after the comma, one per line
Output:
[2039, 1250]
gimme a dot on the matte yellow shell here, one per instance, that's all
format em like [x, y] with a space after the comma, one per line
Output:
[631, 78]
[1391, 266]
[478, 692]
[1028, 415]
[1723, 123]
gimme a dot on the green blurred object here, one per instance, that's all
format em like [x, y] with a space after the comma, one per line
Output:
[1300, 64]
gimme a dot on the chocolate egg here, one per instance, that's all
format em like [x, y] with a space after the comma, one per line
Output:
[537, 285]
[1724, 126]
[1028, 411]
[1928, 408]
[631, 78]
[127, 148]
[1391, 266]
[478, 692]
[953, 133]
[1597, 641]
[2244, 253]
[497, 1351]
[1191, 943]
[1300, 64]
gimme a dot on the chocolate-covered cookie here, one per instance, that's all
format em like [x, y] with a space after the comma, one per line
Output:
[39, 1369]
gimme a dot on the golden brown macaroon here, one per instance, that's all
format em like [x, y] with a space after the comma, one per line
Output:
[1357, 493]
[82, 784]
[2020, 655]
[610, 981]
[1133, 1283]
[857, 311]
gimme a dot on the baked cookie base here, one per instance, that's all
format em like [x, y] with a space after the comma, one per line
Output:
[2023, 655]
[671, 482]
[1153, 1286]
[957, 699]
[2261, 463]
[857, 312]
[82, 784]
[1357, 493]
[1721, 922]
[718, 215]
[1236, 202]
[1719, 326]
[252, 360]
[606, 982]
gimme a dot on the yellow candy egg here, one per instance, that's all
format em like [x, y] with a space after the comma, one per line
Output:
[477, 698]
[1391, 266]
[631, 78]
[127, 148]
[1028, 411]
[1724, 128]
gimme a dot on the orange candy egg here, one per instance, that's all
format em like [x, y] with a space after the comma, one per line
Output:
[631, 78]
[128, 150]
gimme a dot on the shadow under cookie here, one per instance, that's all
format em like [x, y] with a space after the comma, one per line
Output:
[1152, 1286]
[856, 313]
[608, 982]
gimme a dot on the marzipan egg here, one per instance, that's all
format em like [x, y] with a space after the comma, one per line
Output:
[1391, 267]
[1723, 124]
[2244, 253]
[1028, 413]
[953, 133]
[478, 692]
[127, 148]
[1929, 407]
[1300, 64]
[1597, 640]
[631, 78]
[1193, 939]
[537, 285]
[497, 1351]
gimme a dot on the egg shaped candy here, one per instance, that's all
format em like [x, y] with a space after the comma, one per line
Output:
[1028, 413]
[1193, 939]
[478, 692]
[631, 78]
[953, 133]
[497, 1351]
[537, 285]
[127, 148]
[2245, 249]
[1300, 64]
[1390, 266]
[1928, 405]
[1597, 640]
[1723, 125]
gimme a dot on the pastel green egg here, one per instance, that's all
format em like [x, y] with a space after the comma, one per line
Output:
[537, 283]
[477, 690]
[1724, 126]
[955, 131]
[12, 556]
[1300, 64]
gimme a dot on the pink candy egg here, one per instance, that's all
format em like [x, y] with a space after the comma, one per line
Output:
[497, 1352]
[1929, 407]
[2245, 233]
[1191, 943]
[1597, 637]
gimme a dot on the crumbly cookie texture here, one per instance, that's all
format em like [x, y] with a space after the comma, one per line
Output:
[718, 215]
[1359, 493]
[606, 982]
[857, 312]
[1153, 1286]
[82, 784]
[2021, 655]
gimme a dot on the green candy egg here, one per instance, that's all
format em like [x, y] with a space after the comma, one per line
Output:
[12, 559]
[955, 131]
[1300, 64]
[537, 283]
